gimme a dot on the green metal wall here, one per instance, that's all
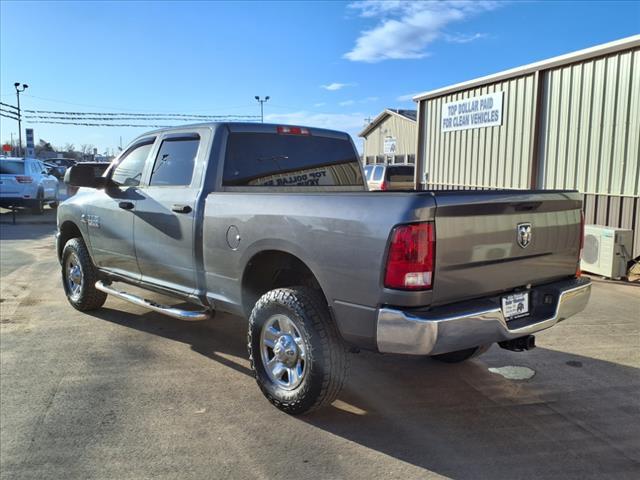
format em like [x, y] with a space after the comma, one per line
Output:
[404, 130]
[590, 126]
[490, 157]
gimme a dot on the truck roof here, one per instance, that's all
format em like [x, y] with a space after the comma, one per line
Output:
[248, 127]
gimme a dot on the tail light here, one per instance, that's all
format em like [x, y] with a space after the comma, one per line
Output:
[578, 271]
[23, 179]
[411, 257]
[383, 185]
[293, 131]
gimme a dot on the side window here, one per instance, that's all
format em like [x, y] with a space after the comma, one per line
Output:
[377, 174]
[175, 161]
[129, 169]
[367, 171]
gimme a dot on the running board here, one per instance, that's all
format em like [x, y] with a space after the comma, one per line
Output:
[188, 315]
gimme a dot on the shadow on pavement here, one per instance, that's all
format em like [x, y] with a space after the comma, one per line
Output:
[25, 216]
[576, 418]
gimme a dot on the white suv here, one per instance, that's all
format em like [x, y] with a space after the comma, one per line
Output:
[25, 182]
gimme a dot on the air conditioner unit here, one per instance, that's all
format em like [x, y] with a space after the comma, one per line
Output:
[607, 251]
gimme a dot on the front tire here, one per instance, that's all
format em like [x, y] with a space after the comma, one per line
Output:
[297, 355]
[79, 277]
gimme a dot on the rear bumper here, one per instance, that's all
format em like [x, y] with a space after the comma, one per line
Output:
[481, 322]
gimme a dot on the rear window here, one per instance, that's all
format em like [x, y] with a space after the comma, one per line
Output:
[11, 167]
[377, 174]
[367, 171]
[400, 174]
[265, 159]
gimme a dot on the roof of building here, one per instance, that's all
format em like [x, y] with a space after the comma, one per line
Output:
[410, 115]
[569, 58]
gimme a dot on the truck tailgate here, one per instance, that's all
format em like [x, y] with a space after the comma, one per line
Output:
[480, 252]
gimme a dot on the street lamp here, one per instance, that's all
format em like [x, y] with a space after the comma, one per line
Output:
[261, 106]
[18, 90]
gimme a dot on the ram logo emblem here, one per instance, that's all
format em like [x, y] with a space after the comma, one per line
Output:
[524, 234]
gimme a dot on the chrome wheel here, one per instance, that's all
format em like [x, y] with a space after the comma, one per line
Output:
[74, 276]
[283, 352]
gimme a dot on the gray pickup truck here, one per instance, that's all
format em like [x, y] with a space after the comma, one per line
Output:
[275, 223]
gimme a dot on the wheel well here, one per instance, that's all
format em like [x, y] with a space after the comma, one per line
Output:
[68, 230]
[273, 269]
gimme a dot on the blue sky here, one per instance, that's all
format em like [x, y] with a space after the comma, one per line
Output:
[329, 64]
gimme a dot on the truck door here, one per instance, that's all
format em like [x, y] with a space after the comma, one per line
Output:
[109, 217]
[164, 219]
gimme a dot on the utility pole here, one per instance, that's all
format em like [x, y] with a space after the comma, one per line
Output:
[18, 90]
[262, 106]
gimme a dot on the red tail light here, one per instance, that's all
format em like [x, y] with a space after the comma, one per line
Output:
[578, 271]
[293, 131]
[383, 185]
[23, 179]
[411, 257]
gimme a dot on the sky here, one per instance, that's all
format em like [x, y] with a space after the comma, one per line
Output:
[327, 64]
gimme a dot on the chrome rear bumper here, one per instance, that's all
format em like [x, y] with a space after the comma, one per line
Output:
[433, 332]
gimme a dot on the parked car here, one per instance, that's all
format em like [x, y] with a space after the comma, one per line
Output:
[55, 170]
[26, 182]
[389, 177]
[275, 223]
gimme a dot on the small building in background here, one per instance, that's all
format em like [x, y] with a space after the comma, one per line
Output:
[390, 137]
[569, 122]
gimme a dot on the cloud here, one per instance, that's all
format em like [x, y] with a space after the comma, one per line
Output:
[319, 104]
[406, 98]
[346, 103]
[405, 28]
[332, 87]
[464, 38]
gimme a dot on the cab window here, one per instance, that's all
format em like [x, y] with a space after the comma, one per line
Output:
[174, 162]
[128, 171]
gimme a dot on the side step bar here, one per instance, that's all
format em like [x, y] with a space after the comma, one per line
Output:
[188, 315]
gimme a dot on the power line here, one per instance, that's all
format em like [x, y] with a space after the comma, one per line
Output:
[154, 115]
[120, 108]
[9, 106]
[91, 124]
[126, 117]
[8, 116]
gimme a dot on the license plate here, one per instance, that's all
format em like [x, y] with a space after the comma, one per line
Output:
[516, 305]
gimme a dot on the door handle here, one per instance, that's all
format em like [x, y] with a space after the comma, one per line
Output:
[126, 205]
[181, 208]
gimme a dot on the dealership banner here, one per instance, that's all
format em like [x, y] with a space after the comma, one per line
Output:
[473, 112]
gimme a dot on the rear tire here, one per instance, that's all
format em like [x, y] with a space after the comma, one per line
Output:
[79, 277]
[38, 204]
[306, 365]
[461, 355]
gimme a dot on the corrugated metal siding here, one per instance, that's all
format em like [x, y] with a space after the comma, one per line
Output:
[405, 132]
[590, 139]
[491, 157]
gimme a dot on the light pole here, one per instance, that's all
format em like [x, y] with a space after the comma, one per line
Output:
[262, 106]
[18, 90]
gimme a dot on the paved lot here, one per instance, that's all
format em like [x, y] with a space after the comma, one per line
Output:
[124, 393]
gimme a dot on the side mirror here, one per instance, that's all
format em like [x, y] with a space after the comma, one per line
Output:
[86, 175]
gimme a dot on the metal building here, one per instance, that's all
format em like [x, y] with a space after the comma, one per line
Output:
[570, 122]
[390, 137]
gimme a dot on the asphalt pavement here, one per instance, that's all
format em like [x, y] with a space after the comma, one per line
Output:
[123, 393]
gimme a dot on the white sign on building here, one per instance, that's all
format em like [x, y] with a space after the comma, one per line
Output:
[473, 112]
[390, 144]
